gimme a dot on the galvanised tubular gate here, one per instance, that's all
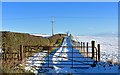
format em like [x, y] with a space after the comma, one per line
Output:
[95, 52]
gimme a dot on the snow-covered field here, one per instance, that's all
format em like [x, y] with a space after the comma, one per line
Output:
[109, 45]
[61, 62]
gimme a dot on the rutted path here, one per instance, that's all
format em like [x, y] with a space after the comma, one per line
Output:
[60, 61]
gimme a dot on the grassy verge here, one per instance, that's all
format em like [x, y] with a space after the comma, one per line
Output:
[11, 42]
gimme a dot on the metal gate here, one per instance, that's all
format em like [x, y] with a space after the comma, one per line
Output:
[86, 52]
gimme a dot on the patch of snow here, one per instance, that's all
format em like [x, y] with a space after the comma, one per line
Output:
[36, 60]
[28, 68]
[1, 51]
[62, 55]
[43, 35]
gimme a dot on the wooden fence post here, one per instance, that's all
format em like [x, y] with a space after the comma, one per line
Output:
[5, 55]
[81, 45]
[22, 58]
[93, 48]
[21, 52]
[48, 55]
[98, 52]
[72, 56]
[87, 49]
[18, 57]
[96, 55]
[83, 48]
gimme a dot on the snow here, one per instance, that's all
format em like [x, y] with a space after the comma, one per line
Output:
[104, 68]
[60, 61]
[36, 60]
[109, 45]
[43, 35]
[1, 50]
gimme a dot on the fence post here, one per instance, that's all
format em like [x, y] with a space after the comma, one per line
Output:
[22, 56]
[93, 50]
[5, 55]
[98, 52]
[87, 49]
[48, 55]
[96, 55]
[81, 45]
[21, 52]
[72, 56]
[18, 57]
[83, 48]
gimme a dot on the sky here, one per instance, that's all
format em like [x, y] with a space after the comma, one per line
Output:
[60, 0]
[77, 18]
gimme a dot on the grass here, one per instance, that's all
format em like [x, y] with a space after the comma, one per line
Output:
[11, 42]
[9, 70]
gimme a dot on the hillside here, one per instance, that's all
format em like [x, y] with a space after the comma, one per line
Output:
[11, 41]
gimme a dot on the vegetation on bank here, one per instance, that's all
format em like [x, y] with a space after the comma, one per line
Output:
[11, 42]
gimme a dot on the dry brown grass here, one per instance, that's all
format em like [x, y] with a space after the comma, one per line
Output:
[11, 42]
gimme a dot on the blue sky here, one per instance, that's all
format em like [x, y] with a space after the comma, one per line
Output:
[79, 18]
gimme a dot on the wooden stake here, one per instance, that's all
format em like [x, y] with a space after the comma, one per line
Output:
[98, 52]
[93, 50]
[87, 49]
[21, 52]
